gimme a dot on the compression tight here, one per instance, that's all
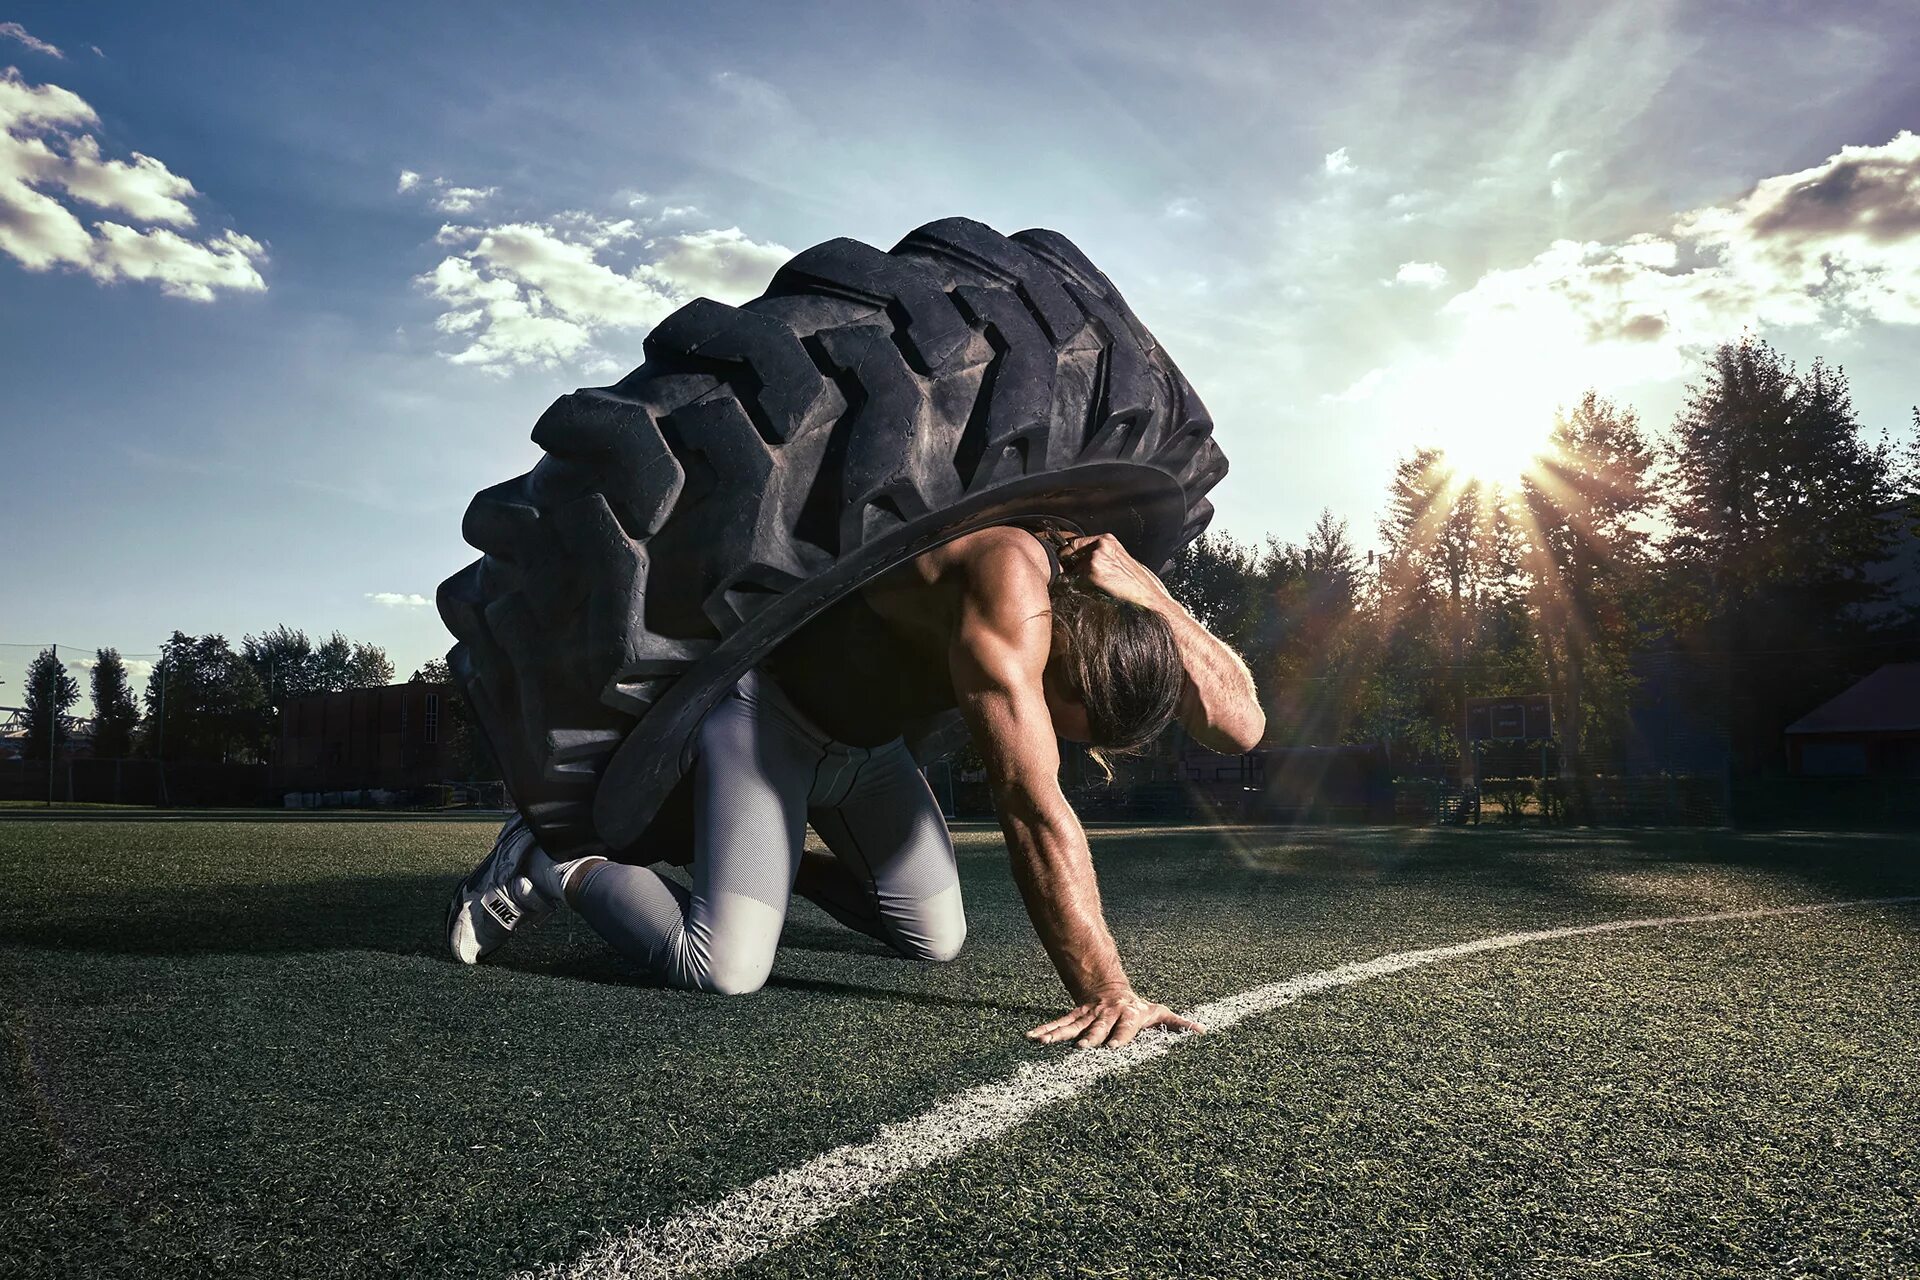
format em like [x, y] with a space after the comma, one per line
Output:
[763, 771]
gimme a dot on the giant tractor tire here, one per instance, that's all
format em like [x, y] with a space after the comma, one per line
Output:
[766, 460]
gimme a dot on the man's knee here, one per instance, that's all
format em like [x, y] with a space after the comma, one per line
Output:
[732, 980]
[731, 952]
[934, 932]
[945, 945]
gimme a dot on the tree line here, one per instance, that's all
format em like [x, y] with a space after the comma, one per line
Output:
[204, 700]
[1749, 548]
[1748, 544]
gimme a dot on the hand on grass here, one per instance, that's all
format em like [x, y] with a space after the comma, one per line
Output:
[1105, 563]
[1111, 1020]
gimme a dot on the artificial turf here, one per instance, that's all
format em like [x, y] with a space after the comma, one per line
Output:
[237, 1049]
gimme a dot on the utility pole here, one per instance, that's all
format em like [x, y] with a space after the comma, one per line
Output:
[53, 722]
[160, 746]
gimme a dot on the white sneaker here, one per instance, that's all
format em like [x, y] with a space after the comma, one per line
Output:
[498, 897]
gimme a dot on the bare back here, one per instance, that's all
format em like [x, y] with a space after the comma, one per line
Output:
[871, 665]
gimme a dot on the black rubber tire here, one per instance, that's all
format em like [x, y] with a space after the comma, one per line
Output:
[769, 458]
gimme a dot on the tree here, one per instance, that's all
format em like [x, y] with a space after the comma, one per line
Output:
[1778, 511]
[1313, 646]
[1448, 602]
[368, 667]
[50, 692]
[114, 711]
[1587, 502]
[1214, 578]
[290, 666]
[283, 659]
[205, 703]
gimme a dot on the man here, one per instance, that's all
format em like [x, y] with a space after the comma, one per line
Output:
[1034, 637]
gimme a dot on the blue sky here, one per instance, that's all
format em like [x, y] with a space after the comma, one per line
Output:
[255, 377]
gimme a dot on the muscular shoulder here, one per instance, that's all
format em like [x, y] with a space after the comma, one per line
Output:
[1002, 572]
[1004, 617]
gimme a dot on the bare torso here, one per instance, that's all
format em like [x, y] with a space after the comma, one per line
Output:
[869, 667]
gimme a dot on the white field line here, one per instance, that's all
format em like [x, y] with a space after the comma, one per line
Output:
[766, 1214]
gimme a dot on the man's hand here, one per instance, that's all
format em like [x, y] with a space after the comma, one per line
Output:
[1111, 1020]
[1104, 562]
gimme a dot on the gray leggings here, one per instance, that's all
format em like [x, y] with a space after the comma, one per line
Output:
[762, 771]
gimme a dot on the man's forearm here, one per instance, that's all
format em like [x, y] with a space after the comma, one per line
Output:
[1054, 870]
[1229, 717]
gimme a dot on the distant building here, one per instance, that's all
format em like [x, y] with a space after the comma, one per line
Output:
[1870, 730]
[394, 737]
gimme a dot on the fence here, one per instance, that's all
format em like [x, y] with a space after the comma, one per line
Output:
[137, 782]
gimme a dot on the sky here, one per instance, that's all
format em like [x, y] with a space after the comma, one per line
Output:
[282, 286]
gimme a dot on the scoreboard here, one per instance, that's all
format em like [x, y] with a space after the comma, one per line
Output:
[1523, 719]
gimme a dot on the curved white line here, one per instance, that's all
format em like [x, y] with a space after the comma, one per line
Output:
[766, 1214]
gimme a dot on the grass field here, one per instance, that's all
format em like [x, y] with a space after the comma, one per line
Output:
[237, 1049]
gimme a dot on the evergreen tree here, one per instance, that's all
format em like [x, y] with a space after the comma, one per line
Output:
[1449, 603]
[1587, 502]
[1214, 579]
[1778, 509]
[114, 711]
[50, 694]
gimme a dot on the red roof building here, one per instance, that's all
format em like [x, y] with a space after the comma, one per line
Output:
[1872, 729]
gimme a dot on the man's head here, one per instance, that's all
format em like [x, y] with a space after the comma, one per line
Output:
[1114, 677]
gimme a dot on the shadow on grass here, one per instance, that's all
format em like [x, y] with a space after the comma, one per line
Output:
[398, 915]
[403, 913]
[1577, 865]
[928, 999]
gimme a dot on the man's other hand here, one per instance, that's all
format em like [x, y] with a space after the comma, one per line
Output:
[1105, 562]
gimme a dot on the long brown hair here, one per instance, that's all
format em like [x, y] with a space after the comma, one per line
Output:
[1118, 658]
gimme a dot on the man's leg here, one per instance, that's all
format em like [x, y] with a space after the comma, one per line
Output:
[750, 780]
[500, 897]
[893, 874]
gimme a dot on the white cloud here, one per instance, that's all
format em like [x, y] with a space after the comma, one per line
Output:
[539, 293]
[44, 154]
[461, 199]
[1427, 275]
[146, 189]
[1836, 245]
[399, 599]
[1182, 208]
[1339, 161]
[14, 31]
[443, 195]
[183, 268]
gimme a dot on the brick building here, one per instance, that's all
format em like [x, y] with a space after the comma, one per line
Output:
[394, 737]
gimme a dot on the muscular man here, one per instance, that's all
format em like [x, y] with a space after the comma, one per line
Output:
[1034, 637]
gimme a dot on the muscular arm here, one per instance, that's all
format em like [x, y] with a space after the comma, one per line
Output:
[998, 682]
[998, 658]
[1219, 704]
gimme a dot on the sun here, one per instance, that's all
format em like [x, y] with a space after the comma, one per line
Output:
[1490, 405]
[1495, 449]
